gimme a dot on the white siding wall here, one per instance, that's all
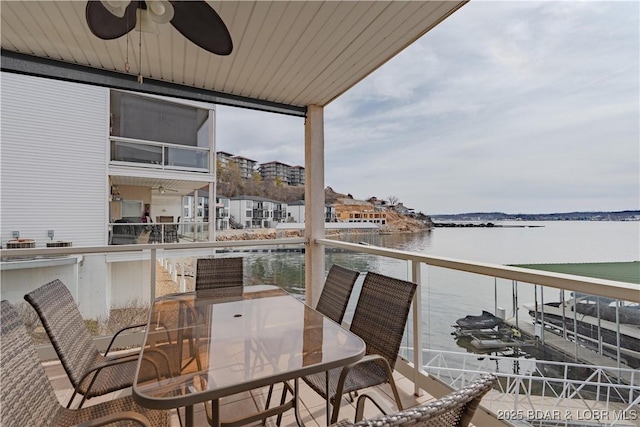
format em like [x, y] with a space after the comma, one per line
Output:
[54, 160]
[297, 212]
[236, 210]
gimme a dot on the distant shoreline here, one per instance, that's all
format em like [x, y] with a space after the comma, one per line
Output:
[631, 215]
[480, 225]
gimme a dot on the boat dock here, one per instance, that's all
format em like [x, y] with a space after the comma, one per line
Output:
[578, 353]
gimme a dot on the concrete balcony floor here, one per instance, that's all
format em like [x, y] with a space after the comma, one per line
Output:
[312, 406]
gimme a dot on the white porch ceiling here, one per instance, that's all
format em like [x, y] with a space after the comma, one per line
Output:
[296, 53]
[172, 186]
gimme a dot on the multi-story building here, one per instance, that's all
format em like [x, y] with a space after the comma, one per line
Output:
[297, 175]
[379, 218]
[247, 166]
[97, 158]
[201, 211]
[275, 171]
[295, 212]
[256, 212]
[224, 158]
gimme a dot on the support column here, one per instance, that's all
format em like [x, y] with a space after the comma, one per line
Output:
[214, 172]
[314, 202]
[194, 209]
[212, 212]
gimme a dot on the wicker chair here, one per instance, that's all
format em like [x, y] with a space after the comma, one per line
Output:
[453, 410]
[332, 303]
[379, 319]
[212, 273]
[336, 292]
[28, 399]
[91, 373]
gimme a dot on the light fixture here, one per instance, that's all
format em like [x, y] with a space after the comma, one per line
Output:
[161, 189]
[160, 11]
[116, 7]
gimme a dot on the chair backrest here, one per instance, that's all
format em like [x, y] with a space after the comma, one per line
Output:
[453, 410]
[212, 273]
[65, 327]
[381, 314]
[28, 398]
[336, 292]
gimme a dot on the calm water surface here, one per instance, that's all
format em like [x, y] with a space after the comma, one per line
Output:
[449, 295]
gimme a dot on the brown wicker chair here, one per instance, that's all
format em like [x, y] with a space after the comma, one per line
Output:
[91, 373]
[212, 273]
[333, 301]
[336, 292]
[453, 410]
[28, 399]
[379, 319]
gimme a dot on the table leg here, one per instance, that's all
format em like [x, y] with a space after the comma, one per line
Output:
[188, 416]
[326, 382]
[296, 409]
[215, 413]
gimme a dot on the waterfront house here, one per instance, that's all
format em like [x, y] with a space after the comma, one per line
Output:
[296, 212]
[256, 212]
[403, 210]
[102, 164]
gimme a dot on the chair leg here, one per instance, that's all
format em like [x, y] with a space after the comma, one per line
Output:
[73, 396]
[394, 389]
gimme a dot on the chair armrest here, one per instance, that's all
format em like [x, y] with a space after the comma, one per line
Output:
[343, 377]
[112, 362]
[119, 416]
[360, 407]
[141, 325]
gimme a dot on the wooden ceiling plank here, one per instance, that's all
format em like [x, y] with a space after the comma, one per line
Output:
[373, 45]
[277, 21]
[213, 76]
[254, 37]
[354, 23]
[294, 53]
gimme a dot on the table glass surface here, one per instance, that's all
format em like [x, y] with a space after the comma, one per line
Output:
[238, 339]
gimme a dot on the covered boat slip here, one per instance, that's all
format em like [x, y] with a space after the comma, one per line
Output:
[608, 330]
[620, 271]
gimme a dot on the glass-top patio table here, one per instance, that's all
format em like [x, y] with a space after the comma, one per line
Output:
[220, 342]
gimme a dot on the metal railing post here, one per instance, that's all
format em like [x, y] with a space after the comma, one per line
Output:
[417, 328]
[153, 275]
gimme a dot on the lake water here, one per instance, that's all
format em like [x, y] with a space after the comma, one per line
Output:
[449, 295]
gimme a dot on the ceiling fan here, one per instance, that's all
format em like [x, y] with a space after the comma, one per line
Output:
[195, 20]
[163, 190]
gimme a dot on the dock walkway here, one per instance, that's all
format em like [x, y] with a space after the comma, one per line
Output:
[579, 353]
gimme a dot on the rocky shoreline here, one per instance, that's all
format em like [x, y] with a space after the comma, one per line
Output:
[270, 233]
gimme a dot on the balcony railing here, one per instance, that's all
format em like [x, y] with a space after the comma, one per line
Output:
[130, 233]
[530, 388]
[159, 155]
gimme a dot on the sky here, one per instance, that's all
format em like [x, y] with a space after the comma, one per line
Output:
[515, 107]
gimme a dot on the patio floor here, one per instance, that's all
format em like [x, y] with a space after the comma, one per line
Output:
[312, 405]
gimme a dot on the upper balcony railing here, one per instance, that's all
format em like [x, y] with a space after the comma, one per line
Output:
[130, 233]
[159, 155]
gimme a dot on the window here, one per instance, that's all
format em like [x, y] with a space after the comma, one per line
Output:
[158, 132]
[140, 117]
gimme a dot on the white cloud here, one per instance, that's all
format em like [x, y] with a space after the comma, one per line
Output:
[513, 106]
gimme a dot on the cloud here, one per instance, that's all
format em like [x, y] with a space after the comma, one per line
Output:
[513, 106]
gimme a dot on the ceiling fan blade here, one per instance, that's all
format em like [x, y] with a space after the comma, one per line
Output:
[105, 25]
[198, 22]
